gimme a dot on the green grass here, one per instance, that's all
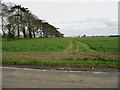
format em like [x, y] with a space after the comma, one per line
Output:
[35, 45]
[74, 47]
[100, 44]
[86, 44]
[89, 62]
[85, 48]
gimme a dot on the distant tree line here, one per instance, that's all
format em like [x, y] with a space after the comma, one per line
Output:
[17, 21]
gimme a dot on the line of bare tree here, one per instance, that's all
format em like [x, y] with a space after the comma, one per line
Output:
[17, 21]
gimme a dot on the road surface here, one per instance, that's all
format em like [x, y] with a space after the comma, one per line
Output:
[31, 78]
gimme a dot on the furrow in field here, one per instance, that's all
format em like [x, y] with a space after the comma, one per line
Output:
[69, 48]
[85, 48]
[76, 46]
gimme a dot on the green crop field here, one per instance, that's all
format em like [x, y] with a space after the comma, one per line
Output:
[102, 44]
[35, 45]
[86, 44]
[85, 51]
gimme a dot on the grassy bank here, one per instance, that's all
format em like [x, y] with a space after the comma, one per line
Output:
[71, 62]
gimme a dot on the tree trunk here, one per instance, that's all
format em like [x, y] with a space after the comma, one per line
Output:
[24, 33]
[18, 31]
[29, 29]
[9, 33]
[34, 34]
[4, 35]
[30, 34]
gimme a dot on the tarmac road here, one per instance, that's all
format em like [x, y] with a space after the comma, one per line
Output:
[31, 78]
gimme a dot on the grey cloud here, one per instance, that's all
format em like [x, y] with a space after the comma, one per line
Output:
[94, 21]
[77, 21]
[65, 22]
[91, 26]
[105, 21]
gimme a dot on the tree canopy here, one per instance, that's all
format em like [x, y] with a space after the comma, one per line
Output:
[18, 21]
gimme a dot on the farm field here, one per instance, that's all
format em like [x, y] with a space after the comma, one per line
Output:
[35, 45]
[85, 51]
[101, 44]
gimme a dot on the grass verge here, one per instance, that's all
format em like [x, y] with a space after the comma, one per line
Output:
[71, 62]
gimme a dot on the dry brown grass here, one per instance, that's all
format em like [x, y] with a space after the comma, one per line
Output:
[58, 55]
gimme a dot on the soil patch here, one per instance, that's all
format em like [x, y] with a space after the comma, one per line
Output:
[58, 55]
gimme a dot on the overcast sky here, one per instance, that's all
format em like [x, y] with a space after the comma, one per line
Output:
[77, 18]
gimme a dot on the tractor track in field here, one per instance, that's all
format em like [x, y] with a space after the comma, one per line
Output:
[69, 48]
[78, 47]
